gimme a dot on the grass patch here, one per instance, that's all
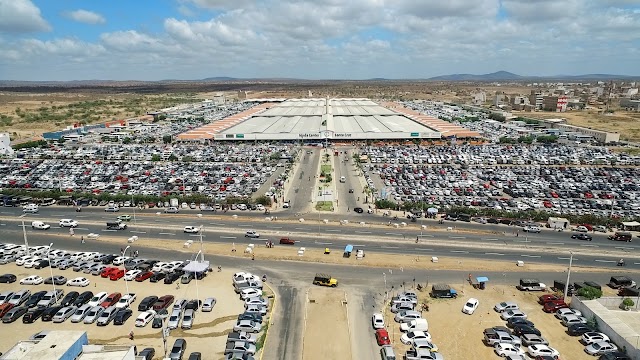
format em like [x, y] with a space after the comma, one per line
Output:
[262, 338]
[324, 206]
[326, 169]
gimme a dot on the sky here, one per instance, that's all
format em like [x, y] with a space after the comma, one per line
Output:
[58, 40]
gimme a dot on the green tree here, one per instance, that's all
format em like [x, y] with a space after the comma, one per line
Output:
[497, 117]
[173, 158]
[590, 293]
[155, 157]
[167, 139]
[127, 140]
[188, 159]
[264, 200]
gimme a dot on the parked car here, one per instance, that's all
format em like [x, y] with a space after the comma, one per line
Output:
[93, 314]
[600, 347]
[409, 337]
[14, 314]
[470, 306]
[56, 279]
[513, 313]
[69, 299]
[32, 315]
[144, 318]
[98, 298]
[504, 306]
[80, 313]
[79, 281]
[7, 278]
[122, 316]
[188, 318]
[107, 315]
[247, 326]
[147, 303]
[208, 304]
[178, 349]
[63, 314]
[83, 298]
[542, 350]
[32, 280]
[591, 337]
[126, 300]
[163, 302]
[111, 300]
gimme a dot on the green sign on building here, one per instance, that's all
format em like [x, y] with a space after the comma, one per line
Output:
[239, 136]
[415, 134]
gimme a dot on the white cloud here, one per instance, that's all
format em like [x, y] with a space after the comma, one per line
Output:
[86, 17]
[21, 16]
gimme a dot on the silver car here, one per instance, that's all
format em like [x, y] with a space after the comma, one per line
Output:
[174, 319]
[187, 319]
[93, 314]
[260, 309]
[208, 304]
[80, 313]
[249, 326]
[64, 313]
[107, 315]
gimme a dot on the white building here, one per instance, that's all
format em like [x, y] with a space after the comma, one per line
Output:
[5, 145]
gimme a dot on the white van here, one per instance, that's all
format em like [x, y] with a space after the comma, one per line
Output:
[39, 225]
[30, 208]
[343, 179]
[415, 325]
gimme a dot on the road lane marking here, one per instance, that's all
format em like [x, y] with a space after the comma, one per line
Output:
[587, 245]
[198, 235]
[522, 241]
[323, 243]
[138, 232]
[217, 224]
[457, 237]
[490, 239]
[274, 227]
[362, 232]
[398, 234]
[555, 243]
[112, 230]
[390, 247]
[301, 228]
[82, 228]
[423, 249]
[228, 237]
[163, 233]
[333, 230]
[359, 245]
[244, 226]
[566, 258]
[624, 248]
[490, 253]
[459, 251]
[530, 256]
[426, 236]
[82, 216]
[605, 261]
[3, 224]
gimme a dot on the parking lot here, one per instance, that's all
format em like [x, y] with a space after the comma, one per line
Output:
[457, 335]
[206, 334]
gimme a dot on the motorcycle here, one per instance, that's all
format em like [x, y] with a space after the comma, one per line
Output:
[395, 217]
[78, 209]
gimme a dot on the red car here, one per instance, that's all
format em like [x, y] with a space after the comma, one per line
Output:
[111, 300]
[144, 276]
[116, 275]
[287, 241]
[551, 307]
[163, 302]
[546, 298]
[106, 272]
[4, 308]
[382, 337]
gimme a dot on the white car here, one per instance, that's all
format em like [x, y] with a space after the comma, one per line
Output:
[531, 229]
[131, 274]
[32, 262]
[120, 260]
[32, 280]
[68, 223]
[112, 209]
[30, 208]
[97, 299]
[566, 311]
[79, 281]
[40, 225]
[513, 313]
[504, 306]
[591, 337]
[125, 301]
[21, 260]
[411, 336]
[600, 348]
[542, 350]
[470, 306]
[191, 229]
[249, 293]
[377, 320]
[504, 350]
[144, 318]
[252, 234]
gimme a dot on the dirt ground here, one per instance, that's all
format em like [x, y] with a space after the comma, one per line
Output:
[624, 122]
[207, 336]
[458, 335]
[326, 334]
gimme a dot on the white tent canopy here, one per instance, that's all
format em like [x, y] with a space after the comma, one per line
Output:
[197, 267]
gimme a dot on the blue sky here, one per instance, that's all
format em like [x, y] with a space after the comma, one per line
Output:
[314, 39]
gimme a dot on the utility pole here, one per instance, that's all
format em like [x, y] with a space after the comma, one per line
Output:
[24, 234]
[566, 285]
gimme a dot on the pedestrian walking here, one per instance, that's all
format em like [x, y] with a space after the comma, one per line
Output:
[82, 239]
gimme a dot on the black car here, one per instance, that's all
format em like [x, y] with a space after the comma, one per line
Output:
[83, 298]
[108, 259]
[157, 276]
[582, 236]
[157, 322]
[58, 279]
[14, 314]
[195, 356]
[521, 329]
[171, 277]
[33, 314]
[34, 299]
[147, 303]
[250, 315]
[359, 210]
[121, 316]
[518, 321]
[48, 314]
[178, 349]
[614, 355]
[70, 298]
[7, 278]
[42, 264]
[578, 329]
[193, 304]
[147, 353]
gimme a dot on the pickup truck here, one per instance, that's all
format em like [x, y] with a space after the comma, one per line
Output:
[116, 225]
[241, 347]
[238, 287]
[494, 336]
[442, 291]
[325, 280]
[287, 241]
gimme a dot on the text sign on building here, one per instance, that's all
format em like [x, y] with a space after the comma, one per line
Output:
[239, 136]
[415, 134]
[342, 135]
[309, 135]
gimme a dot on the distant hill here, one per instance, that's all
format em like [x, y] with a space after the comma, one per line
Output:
[507, 76]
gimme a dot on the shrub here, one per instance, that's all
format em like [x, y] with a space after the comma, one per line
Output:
[590, 293]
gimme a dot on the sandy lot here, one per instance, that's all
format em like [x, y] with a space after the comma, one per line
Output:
[626, 123]
[207, 336]
[458, 335]
[326, 333]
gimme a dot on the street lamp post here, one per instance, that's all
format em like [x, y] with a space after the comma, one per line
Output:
[126, 283]
[134, 211]
[51, 272]
[566, 286]
[24, 234]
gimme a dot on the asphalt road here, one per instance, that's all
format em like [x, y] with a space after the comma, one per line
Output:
[303, 180]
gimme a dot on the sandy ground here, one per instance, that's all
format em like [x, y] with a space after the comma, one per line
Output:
[372, 259]
[207, 336]
[326, 334]
[458, 335]
[626, 123]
